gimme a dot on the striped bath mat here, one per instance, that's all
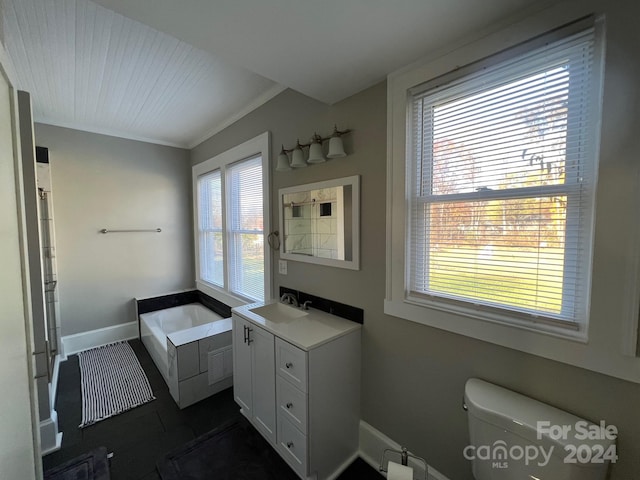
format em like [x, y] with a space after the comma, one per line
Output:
[112, 382]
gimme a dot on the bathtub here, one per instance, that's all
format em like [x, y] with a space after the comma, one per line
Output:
[185, 343]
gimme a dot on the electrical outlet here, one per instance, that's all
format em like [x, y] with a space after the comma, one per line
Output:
[282, 267]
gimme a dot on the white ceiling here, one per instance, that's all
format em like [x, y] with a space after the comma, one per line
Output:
[90, 68]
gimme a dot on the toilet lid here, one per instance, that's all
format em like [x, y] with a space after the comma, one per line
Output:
[531, 419]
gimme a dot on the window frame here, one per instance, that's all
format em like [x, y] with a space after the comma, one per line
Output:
[258, 146]
[465, 84]
[529, 335]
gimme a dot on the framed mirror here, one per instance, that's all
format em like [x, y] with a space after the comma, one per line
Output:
[320, 223]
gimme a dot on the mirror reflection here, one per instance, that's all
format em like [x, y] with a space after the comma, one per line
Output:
[319, 222]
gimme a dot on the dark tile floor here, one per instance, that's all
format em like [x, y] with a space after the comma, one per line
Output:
[142, 436]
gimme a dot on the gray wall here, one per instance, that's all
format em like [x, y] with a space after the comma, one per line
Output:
[413, 376]
[106, 182]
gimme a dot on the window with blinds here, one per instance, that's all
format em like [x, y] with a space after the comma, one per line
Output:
[246, 231]
[502, 180]
[210, 228]
[230, 215]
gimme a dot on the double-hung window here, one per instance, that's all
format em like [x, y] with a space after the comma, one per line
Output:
[500, 178]
[231, 214]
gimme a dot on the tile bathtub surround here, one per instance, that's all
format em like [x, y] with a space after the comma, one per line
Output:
[211, 303]
[200, 368]
[183, 298]
[342, 310]
[166, 301]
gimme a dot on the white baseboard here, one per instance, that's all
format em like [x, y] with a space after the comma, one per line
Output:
[95, 338]
[50, 438]
[373, 443]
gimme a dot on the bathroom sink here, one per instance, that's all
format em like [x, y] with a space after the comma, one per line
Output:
[279, 312]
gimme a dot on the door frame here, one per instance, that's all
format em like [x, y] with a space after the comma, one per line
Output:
[32, 461]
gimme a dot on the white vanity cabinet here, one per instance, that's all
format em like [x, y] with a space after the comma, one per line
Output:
[253, 381]
[314, 389]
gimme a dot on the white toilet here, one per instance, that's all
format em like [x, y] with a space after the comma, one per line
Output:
[514, 437]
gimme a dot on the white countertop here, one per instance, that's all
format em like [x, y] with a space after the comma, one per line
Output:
[305, 332]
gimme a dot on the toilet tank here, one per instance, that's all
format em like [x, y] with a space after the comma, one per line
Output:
[515, 437]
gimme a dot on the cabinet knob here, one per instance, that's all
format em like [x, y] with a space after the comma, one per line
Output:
[289, 405]
[289, 445]
[288, 364]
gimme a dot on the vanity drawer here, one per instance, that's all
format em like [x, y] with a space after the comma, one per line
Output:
[292, 446]
[292, 403]
[291, 363]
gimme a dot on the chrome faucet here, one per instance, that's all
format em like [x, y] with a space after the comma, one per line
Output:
[305, 305]
[290, 299]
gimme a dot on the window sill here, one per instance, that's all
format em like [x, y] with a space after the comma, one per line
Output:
[550, 342]
[487, 320]
[576, 332]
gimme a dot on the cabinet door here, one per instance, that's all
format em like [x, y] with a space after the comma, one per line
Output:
[242, 366]
[263, 382]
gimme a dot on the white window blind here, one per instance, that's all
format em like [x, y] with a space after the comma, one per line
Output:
[502, 183]
[246, 230]
[210, 209]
